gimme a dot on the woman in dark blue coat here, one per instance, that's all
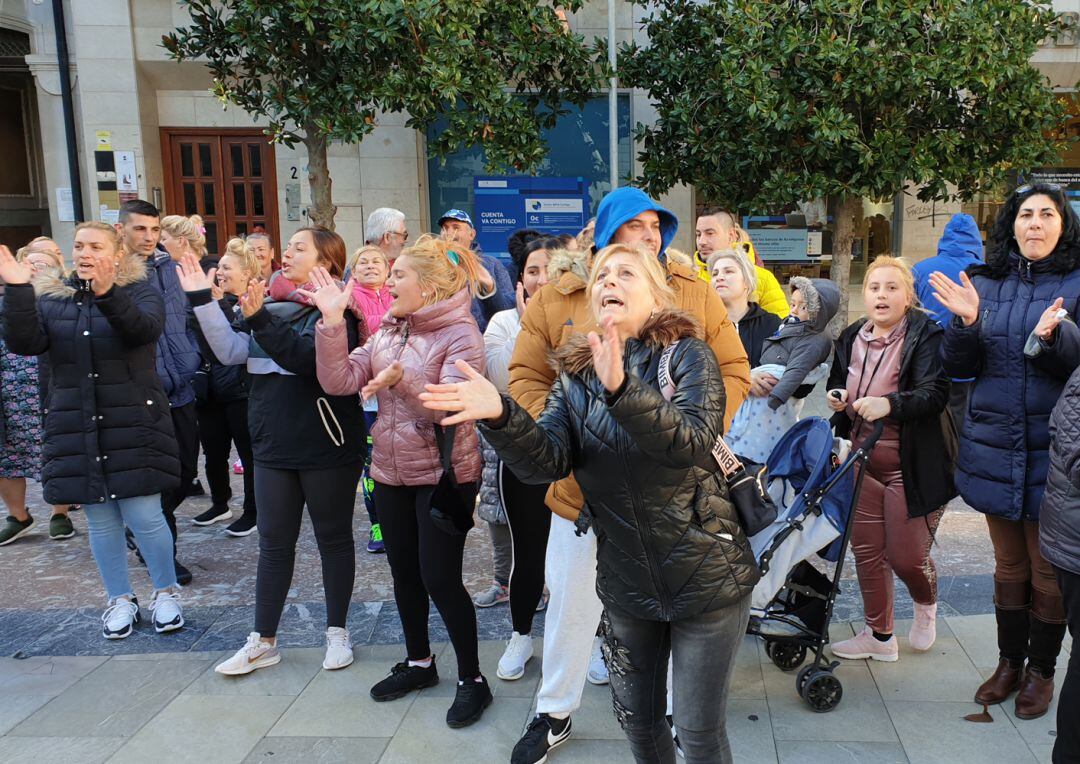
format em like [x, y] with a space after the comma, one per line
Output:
[1030, 274]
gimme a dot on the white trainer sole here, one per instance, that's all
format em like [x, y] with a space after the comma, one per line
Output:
[254, 665]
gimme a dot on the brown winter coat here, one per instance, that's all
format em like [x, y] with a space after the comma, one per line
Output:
[561, 309]
[426, 344]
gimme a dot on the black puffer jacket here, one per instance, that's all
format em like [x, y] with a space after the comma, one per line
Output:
[1059, 517]
[646, 468]
[216, 382]
[927, 433]
[108, 431]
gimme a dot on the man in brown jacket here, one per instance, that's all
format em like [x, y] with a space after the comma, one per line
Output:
[558, 311]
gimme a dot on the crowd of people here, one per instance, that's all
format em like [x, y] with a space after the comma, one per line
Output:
[445, 385]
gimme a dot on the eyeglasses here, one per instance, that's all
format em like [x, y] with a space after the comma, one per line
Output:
[403, 234]
[1025, 188]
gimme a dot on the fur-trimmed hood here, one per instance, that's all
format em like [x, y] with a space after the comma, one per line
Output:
[663, 329]
[564, 261]
[131, 268]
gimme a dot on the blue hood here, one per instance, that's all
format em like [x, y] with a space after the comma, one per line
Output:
[961, 238]
[624, 204]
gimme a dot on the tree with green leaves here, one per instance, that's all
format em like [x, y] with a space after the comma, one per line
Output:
[764, 103]
[322, 70]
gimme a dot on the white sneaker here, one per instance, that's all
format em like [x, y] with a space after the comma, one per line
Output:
[598, 673]
[923, 628]
[165, 608]
[519, 651]
[339, 652]
[255, 654]
[120, 617]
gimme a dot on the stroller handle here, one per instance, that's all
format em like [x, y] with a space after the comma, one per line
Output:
[868, 444]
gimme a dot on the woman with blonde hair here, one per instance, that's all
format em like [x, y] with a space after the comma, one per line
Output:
[42, 254]
[425, 474]
[222, 399]
[369, 270]
[109, 441]
[887, 367]
[182, 236]
[674, 577]
[735, 279]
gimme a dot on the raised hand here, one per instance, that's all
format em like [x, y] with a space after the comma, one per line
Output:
[388, 377]
[1049, 320]
[520, 293]
[329, 298]
[607, 356]
[104, 273]
[217, 291]
[959, 299]
[251, 301]
[474, 399]
[190, 273]
[11, 270]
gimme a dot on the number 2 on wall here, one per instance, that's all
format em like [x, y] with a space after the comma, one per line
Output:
[293, 171]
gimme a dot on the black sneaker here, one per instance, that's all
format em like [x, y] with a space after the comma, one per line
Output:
[242, 526]
[543, 733]
[675, 735]
[470, 700]
[13, 529]
[183, 575]
[212, 515]
[404, 679]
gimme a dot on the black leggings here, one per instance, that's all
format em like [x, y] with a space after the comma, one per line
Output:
[221, 425]
[281, 496]
[529, 520]
[426, 561]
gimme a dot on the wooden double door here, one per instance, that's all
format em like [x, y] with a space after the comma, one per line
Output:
[227, 177]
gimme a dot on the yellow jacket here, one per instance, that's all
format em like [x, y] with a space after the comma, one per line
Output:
[560, 309]
[769, 295]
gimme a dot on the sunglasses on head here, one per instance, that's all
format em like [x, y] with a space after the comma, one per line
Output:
[1049, 186]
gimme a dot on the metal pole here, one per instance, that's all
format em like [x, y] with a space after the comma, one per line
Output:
[69, 109]
[613, 101]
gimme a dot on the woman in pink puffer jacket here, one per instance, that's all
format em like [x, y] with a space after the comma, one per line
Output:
[424, 514]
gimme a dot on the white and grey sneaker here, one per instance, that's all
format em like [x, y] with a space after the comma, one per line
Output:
[519, 651]
[166, 610]
[339, 652]
[598, 673]
[120, 617]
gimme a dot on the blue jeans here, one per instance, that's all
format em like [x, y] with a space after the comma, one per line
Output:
[142, 514]
[703, 650]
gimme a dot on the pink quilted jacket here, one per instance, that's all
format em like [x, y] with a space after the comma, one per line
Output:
[426, 343]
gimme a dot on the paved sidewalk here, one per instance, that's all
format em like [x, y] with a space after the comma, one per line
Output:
[173, 707]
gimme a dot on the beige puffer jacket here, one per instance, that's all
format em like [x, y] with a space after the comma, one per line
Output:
[426, 344]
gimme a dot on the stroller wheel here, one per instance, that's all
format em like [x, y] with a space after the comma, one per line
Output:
[804, 674]
[822, 691]
[786, 656]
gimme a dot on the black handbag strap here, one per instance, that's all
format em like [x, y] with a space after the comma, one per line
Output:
[444, 439]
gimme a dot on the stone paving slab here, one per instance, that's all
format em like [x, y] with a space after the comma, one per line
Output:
[147, 707]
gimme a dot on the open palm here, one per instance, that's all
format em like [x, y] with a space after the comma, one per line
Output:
[473, 400]
[607, 357]
[190, 273]
[329, 298]
[11, 270]
[961, 299]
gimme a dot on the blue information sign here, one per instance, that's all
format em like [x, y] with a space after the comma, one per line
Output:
[506, 203]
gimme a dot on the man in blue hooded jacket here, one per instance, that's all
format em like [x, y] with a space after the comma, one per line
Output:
[559, 310]
[960, 246]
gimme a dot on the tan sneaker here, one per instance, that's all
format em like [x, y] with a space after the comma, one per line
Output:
[255, 654]
[864, 645]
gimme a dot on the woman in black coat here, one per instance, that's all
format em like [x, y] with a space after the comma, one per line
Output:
[674, 568]
[109, 441]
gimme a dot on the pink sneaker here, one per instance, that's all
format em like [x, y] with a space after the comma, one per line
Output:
[863, 645]
[923, 628]
[238, 468]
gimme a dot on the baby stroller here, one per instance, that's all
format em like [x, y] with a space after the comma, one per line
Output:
[812, 480]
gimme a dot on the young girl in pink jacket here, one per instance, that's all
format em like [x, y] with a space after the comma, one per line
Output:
[425, 510]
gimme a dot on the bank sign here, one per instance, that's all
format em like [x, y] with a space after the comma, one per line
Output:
[503, 204]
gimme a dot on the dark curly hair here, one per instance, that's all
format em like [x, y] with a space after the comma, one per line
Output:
[1066, 255]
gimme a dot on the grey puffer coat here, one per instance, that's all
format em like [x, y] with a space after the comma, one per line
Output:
[490, 506]
[669, 544]
[427, 344]
[1059, 517]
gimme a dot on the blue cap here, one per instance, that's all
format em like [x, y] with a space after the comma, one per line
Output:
[456, 215]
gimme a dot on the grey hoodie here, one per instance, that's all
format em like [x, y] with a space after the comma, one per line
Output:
[801, 346]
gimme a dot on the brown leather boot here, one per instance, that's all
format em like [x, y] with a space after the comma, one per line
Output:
[1036, 692]
[1001, 683]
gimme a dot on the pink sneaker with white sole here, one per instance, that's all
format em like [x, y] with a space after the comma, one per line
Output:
[864, 645]
[923, 627]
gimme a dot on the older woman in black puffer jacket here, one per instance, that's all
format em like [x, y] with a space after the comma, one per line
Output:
[674, 568]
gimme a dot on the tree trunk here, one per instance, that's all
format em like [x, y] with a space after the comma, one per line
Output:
[322, 209]
[847, 208]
